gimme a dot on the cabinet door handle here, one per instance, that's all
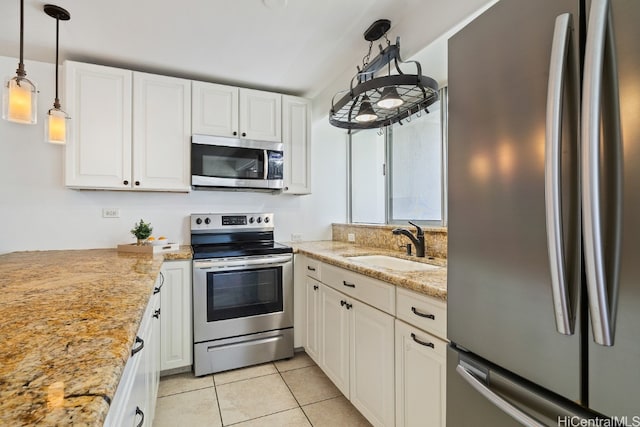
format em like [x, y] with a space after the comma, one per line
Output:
[342, 302]
[137, 349]
[156, 313]
[347, 284]
[427, 315]
[137, 182]
[310, 268]
[235, 133]
[424, 343]
[348, 306]
[315, 287]
[125, 182]
[244, 134]
[139, 412]
[157, 290]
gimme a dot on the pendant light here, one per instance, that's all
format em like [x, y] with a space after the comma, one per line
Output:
[56, 126]
[19, 94]
[376, 98]
[366, 113]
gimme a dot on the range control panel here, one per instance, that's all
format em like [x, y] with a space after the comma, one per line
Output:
[225, 222]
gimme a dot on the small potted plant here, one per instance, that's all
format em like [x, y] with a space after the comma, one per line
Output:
[142, 231]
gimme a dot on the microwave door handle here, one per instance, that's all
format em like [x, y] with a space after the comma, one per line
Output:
[266, 164]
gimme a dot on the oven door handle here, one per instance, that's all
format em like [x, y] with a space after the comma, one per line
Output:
[222, 264]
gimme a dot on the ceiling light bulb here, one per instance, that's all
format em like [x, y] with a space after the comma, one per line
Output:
[390, 98]
[366, 112]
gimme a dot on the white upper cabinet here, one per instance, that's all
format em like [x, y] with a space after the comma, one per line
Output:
[296, 138]
[161, 132]
[98, 152]
[260, 115]
[131, 131]
[215, 109]
[229, 111]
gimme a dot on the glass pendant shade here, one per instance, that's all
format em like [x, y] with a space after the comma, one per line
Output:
[19, 101]
[56, 127]
[390, 98]
[366, 113]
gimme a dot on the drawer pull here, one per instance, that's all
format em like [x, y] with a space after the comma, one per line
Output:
[139, 412]
[137, 349]
[424, 343]
[428, 316]
[156, 314]
[315, 287]
[342, 302]
[347, 284]
[310, 268]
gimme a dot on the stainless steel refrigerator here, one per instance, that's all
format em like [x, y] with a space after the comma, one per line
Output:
[544, 215]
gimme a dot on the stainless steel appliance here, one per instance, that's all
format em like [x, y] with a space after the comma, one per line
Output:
[544, 215]
[236, 163]
[242, 292]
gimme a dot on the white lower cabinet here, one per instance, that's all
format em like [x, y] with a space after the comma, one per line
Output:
[334, 337]
[357, 353]
[383, 347]
[420, 378]
[135, 398]
[312, 324]
[176, 341]
[372, 367]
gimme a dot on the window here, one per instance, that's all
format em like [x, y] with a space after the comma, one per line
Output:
[400, 174]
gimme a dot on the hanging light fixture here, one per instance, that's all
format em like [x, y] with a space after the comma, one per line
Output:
[56, 127]
[374, 100]
[19, 94]
[366, 113]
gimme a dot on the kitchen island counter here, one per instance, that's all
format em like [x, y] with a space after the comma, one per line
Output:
[432, 282]
[69, 320]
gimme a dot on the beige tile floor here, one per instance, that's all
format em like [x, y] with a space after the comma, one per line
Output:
[292, 392]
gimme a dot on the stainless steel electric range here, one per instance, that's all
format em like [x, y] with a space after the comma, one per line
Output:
[242, 292]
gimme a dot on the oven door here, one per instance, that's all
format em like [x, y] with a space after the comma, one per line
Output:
[229, 162]
[243, 295]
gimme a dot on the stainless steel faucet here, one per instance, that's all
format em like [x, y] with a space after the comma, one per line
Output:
[418, 240]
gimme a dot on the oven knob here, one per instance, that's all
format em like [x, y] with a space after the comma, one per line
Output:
[251, 220]
[259, 220]
[266, 219]
[207, 221]
[198, 221]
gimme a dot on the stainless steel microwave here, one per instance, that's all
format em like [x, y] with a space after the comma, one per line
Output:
[235, 163]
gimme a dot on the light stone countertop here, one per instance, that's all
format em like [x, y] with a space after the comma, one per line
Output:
[69, 320]
[432, 282]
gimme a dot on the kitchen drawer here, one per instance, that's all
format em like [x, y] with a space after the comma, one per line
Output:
[311, 267]
[426, 313]
[374, 292]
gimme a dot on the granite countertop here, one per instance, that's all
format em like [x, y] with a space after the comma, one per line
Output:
[432, 282]
[69, 320]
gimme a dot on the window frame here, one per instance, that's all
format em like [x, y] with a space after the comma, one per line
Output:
[388, 172]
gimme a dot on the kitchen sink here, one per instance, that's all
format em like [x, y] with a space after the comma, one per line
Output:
[392, 263]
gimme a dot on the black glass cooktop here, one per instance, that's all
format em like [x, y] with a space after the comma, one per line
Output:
[235, 245]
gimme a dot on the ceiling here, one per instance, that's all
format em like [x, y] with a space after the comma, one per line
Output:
[291, 46]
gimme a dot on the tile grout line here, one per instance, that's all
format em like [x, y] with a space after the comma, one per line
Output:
[294, 396]
[215, 390]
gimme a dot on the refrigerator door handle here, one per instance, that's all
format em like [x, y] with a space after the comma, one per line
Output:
[599, 47]
[565, 319]
[496, 399]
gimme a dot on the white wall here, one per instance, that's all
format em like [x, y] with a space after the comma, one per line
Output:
[38, 213]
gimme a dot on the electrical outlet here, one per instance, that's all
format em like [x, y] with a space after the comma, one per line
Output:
[110, 213]
[296, 237]
[351, 237]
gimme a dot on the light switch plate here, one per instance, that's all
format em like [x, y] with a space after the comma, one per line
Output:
[296, 237]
